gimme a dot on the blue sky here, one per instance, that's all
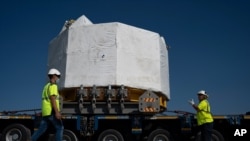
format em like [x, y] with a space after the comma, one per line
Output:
[209, 43]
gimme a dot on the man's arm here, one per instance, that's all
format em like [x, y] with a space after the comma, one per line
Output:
[193, 105]
[196, 107]
[54, 106]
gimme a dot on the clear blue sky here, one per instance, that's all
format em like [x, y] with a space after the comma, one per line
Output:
[209, 46]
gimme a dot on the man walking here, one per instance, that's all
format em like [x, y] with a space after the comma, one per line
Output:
[204, 116]
[50, 107]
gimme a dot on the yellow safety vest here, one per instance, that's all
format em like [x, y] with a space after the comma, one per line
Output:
[49, 89]
[204, 115]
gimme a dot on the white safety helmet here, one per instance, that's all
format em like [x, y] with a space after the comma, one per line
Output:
[54, 71]
[202, 92]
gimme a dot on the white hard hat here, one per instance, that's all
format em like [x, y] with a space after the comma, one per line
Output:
[54, 71]
[203, 93]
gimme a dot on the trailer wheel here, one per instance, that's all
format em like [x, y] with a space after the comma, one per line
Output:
[16, 132]
[216, 136]
[68, 135]
[159, 135]
[110, 135]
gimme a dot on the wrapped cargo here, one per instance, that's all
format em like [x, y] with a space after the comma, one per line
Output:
[110, 54]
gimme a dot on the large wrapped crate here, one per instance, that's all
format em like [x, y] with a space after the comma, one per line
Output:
[110, 54]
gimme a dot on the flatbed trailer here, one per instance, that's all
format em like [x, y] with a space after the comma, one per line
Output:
[137, 127]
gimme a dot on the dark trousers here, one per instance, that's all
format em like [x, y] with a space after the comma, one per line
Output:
[44, 125]
[206, 131]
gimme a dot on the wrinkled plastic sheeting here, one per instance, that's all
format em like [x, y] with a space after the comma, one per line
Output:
[110, 54]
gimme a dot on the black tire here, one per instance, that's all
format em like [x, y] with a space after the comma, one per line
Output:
[68, 135]
[216, 136]
[110, 134]
[159, 135]
[16, 132]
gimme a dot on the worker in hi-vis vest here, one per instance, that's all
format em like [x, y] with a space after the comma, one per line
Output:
[50, 107]
[204, 116]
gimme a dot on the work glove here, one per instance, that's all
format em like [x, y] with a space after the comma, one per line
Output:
[191, 101]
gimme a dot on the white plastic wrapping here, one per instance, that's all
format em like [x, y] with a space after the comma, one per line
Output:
[110, 54]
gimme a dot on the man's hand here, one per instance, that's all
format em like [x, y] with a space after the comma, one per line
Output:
[58, 115]
[191, 102]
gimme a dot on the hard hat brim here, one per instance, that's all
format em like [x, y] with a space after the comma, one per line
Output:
[202, 94]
